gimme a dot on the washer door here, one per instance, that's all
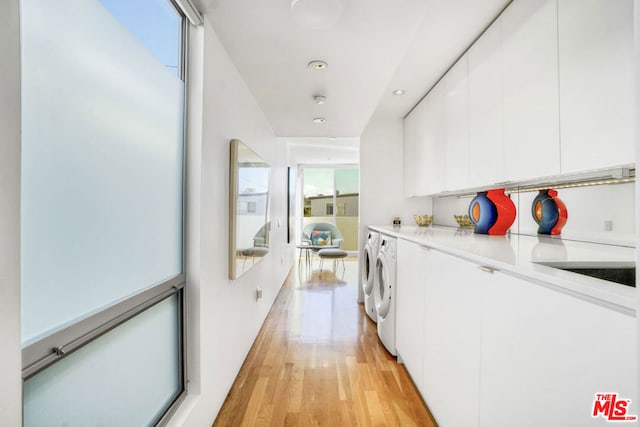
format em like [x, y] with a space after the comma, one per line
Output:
[368, 271]
[382, 289]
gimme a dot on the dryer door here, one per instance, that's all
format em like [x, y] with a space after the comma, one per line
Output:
[383, 287]
[368, 271]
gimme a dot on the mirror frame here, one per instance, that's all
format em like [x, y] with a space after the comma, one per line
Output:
[234, 179]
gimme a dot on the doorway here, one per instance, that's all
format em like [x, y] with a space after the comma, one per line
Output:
[332, 194]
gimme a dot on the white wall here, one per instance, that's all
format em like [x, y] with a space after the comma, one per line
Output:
[10, 356]
[381, 176]
[382, 179]
[314, 151]
[224, 316]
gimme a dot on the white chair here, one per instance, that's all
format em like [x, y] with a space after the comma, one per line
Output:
[336, 235]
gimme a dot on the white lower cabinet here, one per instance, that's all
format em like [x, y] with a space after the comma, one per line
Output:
[489, 349]
[452, 339]
[410, 308]
[546, 354]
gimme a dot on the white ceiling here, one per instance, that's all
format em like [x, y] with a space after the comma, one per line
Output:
[375, 47]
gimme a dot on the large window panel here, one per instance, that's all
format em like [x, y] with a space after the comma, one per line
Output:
[127, 377]
[332, 195]
[318, 193]
[347, 183]
[101, 163]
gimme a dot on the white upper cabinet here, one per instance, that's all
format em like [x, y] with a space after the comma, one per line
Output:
[416, 152]
[434, 174]
[424, 145]
[596, 83]
[530, 84]
[548, 89]
[412, 139]
[456, 106]
[486, 164]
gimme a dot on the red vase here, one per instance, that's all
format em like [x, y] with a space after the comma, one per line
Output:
[506, 211]
[562, 213]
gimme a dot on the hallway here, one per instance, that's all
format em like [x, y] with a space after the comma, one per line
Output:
[317, 361]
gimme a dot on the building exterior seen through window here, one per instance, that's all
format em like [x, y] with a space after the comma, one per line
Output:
[332, 195]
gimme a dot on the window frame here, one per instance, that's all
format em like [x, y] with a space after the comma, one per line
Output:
[53, 347]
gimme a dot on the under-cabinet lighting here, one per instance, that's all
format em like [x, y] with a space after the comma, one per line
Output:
[609, 181]
[614, 176]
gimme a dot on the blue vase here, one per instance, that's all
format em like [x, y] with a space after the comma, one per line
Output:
[483, 213]
[549, 212]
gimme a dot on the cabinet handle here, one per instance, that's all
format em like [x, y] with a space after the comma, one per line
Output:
[487, 269]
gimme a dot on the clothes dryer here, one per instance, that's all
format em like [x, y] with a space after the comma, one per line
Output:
[369, 259]
[384, 291]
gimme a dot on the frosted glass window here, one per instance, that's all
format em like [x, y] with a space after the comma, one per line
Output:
[127, 377]
[102, 162]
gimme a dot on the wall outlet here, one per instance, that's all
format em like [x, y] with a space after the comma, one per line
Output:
[258, 294]
[608, 225]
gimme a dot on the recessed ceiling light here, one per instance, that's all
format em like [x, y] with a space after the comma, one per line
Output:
[332, 138]
[319, 120]
[319, 99]
[398, 92]
[317, 65]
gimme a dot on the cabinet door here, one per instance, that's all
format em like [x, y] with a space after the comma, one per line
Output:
[456, 106]
[452, 339]
[546, 354]
[411, 138]
[410, 308]
[596, 83]
[486, 157]
[433, 178]
[530, 76]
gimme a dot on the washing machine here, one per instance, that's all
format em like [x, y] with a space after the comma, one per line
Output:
[369, 259]
[384, 291]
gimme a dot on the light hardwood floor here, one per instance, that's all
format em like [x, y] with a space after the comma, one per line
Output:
[317, 361]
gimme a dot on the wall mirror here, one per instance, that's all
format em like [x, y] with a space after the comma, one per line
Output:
[249, 225]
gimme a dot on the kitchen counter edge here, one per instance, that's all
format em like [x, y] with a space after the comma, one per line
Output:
[444, 239]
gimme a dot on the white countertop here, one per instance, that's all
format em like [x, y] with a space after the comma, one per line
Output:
[520, 255]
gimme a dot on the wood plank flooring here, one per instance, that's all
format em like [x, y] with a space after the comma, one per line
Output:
[317, 361]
